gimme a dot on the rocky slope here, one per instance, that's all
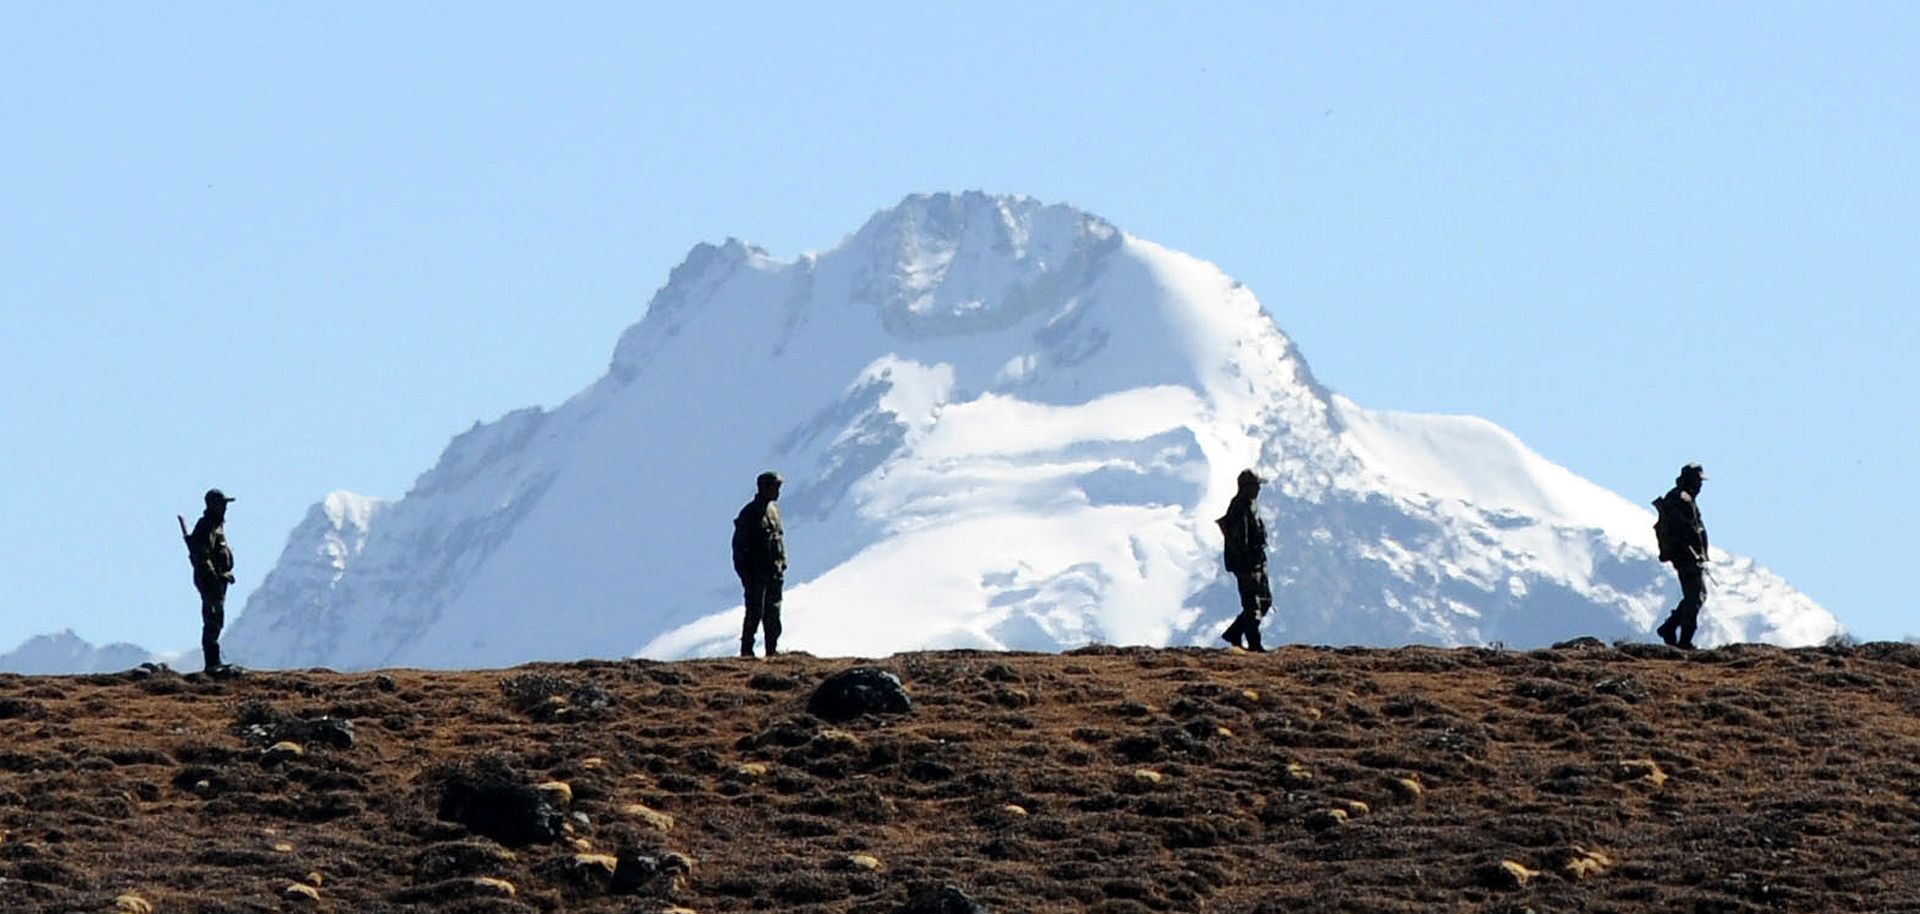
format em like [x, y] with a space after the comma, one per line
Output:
[1583, 778]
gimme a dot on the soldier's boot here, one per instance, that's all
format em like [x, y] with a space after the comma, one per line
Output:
[1253, 640]
[746, 647]
[212, 652]
[1665, 631]
[1232, 634]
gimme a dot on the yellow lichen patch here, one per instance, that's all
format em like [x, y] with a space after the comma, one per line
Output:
[487, 885]
[132, 904]
[559, 793]
[582, 845]
[649, 815]
[314, 878]
[1519, 874]
[830, 741]
[1643, 770]
[300, 890]
[605, 862]
[863, 861]
[286, 748]
[1585, 864]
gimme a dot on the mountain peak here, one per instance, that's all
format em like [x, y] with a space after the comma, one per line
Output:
[1004, 424]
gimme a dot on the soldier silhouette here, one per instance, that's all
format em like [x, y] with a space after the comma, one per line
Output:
[1246, 558]
[1682, 537]
[212, 573]
[760, 559]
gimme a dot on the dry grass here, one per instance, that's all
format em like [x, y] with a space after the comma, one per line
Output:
[1742, 779]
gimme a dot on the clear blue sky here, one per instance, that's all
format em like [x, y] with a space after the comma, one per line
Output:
[286, 249]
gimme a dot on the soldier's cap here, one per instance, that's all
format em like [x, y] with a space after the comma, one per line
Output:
[215, 495]
[768, 478]
[1693, 470]
[1247, 476]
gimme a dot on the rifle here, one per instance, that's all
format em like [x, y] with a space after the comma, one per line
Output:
[188, 538]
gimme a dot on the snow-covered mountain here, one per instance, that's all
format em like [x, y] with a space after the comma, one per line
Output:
[1003, 425]
[65, 652]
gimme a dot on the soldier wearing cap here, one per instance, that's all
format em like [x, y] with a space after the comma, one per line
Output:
[760, 559]
[1246, 558]
[212, 572]
[1682, 537]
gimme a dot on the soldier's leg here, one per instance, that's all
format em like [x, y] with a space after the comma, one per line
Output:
[1254, 607]
[1693, 594]
[770, 612]
[753, 589]
[1667, 629]
[213, 617]
[1238, 629]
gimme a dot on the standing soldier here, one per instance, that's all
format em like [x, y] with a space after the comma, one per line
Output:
[1246, 556]
[1682, 537]
[760, 559]
[212, 572]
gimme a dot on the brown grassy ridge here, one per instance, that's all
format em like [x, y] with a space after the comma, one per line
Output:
[1581, 778]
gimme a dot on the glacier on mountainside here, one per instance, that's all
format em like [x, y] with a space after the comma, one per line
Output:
[1003, 425]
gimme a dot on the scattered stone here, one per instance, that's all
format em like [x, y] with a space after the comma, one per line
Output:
[559, 793]
[280, 752]
[606, 863]
[512, 814]
[747, 771]
[1506, 874]
[1582, 864]
[1358, 808]
[944, 899]
[581, 819]
[300, 890]
[1408, 788]
[459, 858]
[1014, 809]
[593, 764]
[282, 847]
[488, 885]
[1323, 819]
[314, 878]
[1645, 771]
[1582, 643]
[1298, 773]
[637, 873]
[862, 862]
[326, 731]
[772, 682]
[862, 690]
[1147, 777]
[833, 742]
[1223, 732]
[132, 904]
[649, 815]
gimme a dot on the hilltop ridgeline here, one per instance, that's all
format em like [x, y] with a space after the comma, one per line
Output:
[1584, 777]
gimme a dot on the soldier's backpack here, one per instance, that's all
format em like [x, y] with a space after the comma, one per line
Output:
[1663, 529]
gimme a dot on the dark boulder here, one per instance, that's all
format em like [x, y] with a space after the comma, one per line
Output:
[325, 731]
[512, 814]
[862, 690]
